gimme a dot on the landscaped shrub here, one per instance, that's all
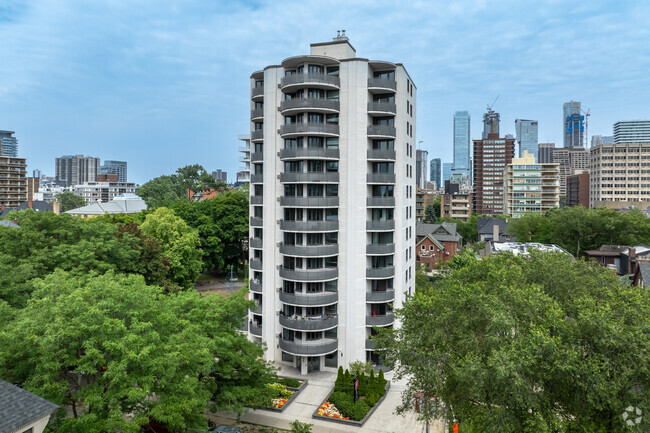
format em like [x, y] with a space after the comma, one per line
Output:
[282, 390]
[359, 410]
[338, 385]
[289, 382]
[371, 389]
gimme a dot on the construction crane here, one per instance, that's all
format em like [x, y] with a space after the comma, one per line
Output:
[586, 113]
[489, 107]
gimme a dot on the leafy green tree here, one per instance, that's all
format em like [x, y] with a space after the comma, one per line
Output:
[432, 211]
[117, 351]
[69, 201]
[195, 178]
[167, 189]
[46, 241]
[180, 244]
[467, 229]
[151, 263]
[509, 343]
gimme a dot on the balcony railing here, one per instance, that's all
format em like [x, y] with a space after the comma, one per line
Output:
[309, 128]
[255, 286]
[256, 264]
[257, 157]
[255, 329]
[257, 222]
[381, 202]
[309, 226]
[309, 104]
[380, 296]
[309, 323]
[309, 250]
[257, 310]
[316, 79]
[309, 177]
[322, 274]
[310, 299]
[378, 249]
[381, 131]
[380, 225]
[381, 155]
[313, 348]
[257, 199]
[257, 178]
[382, 178]
[257, 113]
[309, 152]
[257, 135]
[309, 201]
[255, 243]
[256, 92]
[382, 83]
[382, 320]
[386, 272]
[382, 107]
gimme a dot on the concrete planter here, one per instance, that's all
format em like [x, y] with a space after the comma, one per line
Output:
[296, 392]
[346, 421]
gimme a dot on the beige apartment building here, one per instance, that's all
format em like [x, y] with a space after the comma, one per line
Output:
[13, 181]
[619, 173]
[529, 186]
[571, 161]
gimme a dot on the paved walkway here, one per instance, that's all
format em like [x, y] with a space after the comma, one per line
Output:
[383, 420]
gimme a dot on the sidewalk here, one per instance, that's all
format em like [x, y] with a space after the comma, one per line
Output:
[383, 420]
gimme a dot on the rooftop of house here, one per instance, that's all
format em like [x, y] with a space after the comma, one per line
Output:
[519, 248]
[126, 203]
[9, 224]
[644, 270]
[19, 408]
[441, 232]
[485, 225]
[38, 206]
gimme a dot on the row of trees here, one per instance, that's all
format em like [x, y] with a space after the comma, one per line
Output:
[543, 343]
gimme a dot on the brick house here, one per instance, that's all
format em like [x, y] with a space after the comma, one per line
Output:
[435, 243]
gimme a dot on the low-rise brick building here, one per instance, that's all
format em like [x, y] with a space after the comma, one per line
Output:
[435, 243]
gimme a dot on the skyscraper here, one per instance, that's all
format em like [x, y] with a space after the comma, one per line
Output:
[421, 157]
[491, 155]
[13, 183]
[77, 169]
[446, 171]
[574, 126]
[632, 131]
[545, 152]
[114, 167]
[8, 144]
[462, 149]
[220, 175]
[332, 205]
[436, 173]
[597, 140]
[526, 131]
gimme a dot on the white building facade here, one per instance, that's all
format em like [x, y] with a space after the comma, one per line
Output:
[332, 204]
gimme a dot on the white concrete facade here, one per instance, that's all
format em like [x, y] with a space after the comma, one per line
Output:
[332, 204]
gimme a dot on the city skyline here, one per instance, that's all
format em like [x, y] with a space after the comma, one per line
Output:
[146, 83]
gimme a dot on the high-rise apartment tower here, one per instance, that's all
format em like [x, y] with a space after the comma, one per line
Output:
[526, 133]
[332, 204]
[574, 125]
[114, 167]
[421, 157]
[462, 142]
[632, 131]
[77, 169]
[436, 172]
[8, 144]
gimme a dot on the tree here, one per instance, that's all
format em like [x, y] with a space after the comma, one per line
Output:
[509, 343]
[117, 352]
[151, 263]
[180, 244]
[69, 201]
[167, 189]
[467, 229]
[432, 211]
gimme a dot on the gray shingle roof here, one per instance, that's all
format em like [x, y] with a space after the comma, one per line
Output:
[484, 225]
[19, 407]
[644, 269]
[434, 230]
[9, 224]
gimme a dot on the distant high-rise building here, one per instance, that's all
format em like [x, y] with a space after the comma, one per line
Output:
[577, 189]
[114, 167]
[526, 133]
[490, 124]
[37, 173]
[421, 157]
[446, 171]
[632, 131]
[491, 155]
[13, 184]
[529, 186]
[244, 173]
[8, 144]
[574, 126]
[455, 203]
[77, 169]
[571, 161]
[33, 184]
[220, 175]
[545, 153]
[436, 172]
[597, 140]
[462, 149]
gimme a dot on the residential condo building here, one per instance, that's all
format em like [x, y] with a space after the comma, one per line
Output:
[446, 171]
[577, 189]
[455, 203]
[77, 169]
[332, 204]
[244, 173]
[632, 131]
[545, 152]
[574, 125]
[421, 157]
[529, 186]
[8, 144]
[436, 172]
[13, 181]
[462, 144]
[571, 161]
[114, 167]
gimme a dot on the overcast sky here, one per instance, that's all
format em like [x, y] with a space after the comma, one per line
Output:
[163, 84]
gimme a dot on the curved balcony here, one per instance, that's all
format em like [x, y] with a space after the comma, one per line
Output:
[256, 264]
[257, 135]
[257, 310]
[309, 299]
[255, 243]
[309, 153]
[379, 249]
[257, 178]
[257, 222]
[257, 157]
[254, 329]
[312, 80]
[380, 297]
[291, 106]
[257, 93]
[310, 348]
[296, 129]
[387, 272]
[309, 323]
[382, 108]
[255, 286]
[323, 274]
[257, 114]
[381, 85]
[383, 320]
[257, 199]
[379, 131]
[381, 178]
[324, 177]
[370, 345]
[309, 201]
[309, 226]
[381, 202]
[381, 155]
[309, 250]
[378, 226]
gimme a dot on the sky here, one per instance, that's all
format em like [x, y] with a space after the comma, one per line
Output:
[165, 84]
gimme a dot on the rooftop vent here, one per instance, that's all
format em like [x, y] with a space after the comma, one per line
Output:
[340, 36]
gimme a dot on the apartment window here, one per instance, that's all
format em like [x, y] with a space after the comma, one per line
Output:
[332, 214]
[315, 166]
[316, 69]
[314, 214]
[331, 190]
[314, 118]
[332, 119]
[259, 84]
[315, 142]
[331, 238]
[333, 95]
[382, 190]
[332, 166]
[293, 166]
[383, 121]
[314, 190]
[258, 126]
[386, 75]
[332, 143]
[383, 167]
[383, 144]
[316, 93]
[314, 239]
[333, 70]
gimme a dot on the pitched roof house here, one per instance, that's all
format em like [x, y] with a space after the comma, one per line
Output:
[21, 411]
[435, 243]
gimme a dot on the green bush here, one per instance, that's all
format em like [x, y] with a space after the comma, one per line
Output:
[300, 427]
[372, 399]
[359, 410]
[345, 404]
[289, 382]
[282, 390]
[338, 385]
